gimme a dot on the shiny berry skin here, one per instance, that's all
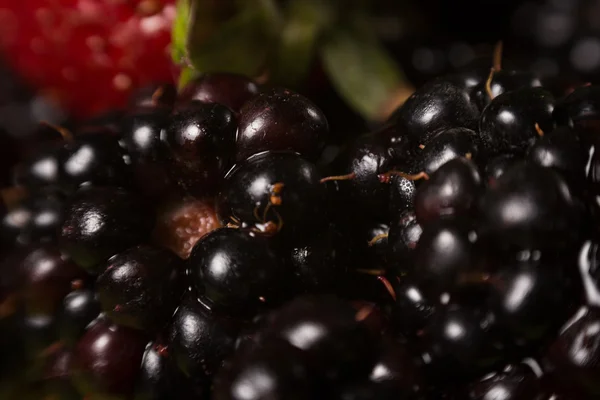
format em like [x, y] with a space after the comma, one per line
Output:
[34, 220]
[106, 361]
[366, 157]
[201, 141]
[40, 169]
[141, 287]
[273, 190]
[573, 357]
[412, 309]
[404, 235]
[343, 348]
[237, 270]
[444, 252]
[276, 362]
[231, 90]
[48, 276]
[496, 166]
[160, 379]
[446, 146]
[93, 158]
[582, 105]
[503, 81]
[199, 339]
[452, 190]
[397, 368]
[529, 207]
[141, 138]
[508, 124]
[402, 195]
[100, 222]
[563, 151]
[80, 307]
[534, 314]
[513, 382]
[459, 342]
[281, 120]
[315, 263]
[436, 106]
[56, 375]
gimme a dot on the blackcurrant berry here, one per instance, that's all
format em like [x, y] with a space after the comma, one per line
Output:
[281, 120]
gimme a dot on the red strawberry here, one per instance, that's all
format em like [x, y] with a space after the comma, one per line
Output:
[88, 54]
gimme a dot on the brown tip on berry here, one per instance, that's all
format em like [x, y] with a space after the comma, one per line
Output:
[180, 225]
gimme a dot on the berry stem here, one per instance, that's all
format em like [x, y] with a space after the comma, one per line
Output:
[364, 312]
[378, 238]
[539, 130]
[346, 177]
[64, 132]
[497, 60]
[388, 286]
[488, 84]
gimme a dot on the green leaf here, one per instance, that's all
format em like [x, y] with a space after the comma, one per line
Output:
[296, 48]
[227, 36]
[186, 75]
[360, 69]
[179, 31]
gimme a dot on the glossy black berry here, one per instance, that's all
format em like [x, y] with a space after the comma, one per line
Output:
[503, 81]
[201, 141]
[529, 206]
[446, 146]
[563, 151]
[315, 262]
[363, 159]
[529, 300]
[281, 120]
[100, 222]
[582, 105]
[141, 287]
[404, 235]
[278, 363]
[453, 190]
[275, 191]
[237, 270]
[508, 124]
[80, 307]
[459, 342]
[443, 254]
[434, 107]
[106, 360]
[398, 369]
[56, 375]
[339, 347]
[34, 220]
[231, 90]
[496, 166]
[575, 352]
[40, 169]
[48, 276]
[513, 382]
[142, 139]
[160, 378]
[93, 158]
[200, 339]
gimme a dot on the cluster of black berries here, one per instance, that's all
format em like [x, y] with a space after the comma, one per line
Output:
[199, 245]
